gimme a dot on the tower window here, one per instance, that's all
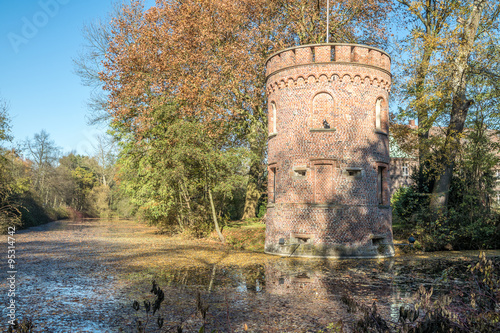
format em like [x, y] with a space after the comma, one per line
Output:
[273, 118]
[378, 112]
[272, 184]
[300, 172]
[353, 173]
[381, 185]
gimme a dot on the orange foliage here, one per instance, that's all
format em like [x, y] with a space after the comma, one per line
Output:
[209, 55]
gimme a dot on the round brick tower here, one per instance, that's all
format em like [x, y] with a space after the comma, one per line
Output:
[329, 152]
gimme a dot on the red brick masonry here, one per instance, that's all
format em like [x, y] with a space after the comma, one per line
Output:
[329, 187]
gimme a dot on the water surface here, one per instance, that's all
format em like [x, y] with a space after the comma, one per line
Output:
[82, 276]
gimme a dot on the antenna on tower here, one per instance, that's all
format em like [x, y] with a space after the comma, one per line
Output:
[327, 20]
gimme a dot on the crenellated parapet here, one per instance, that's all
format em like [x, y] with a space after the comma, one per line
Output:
[333, 52]
[354, 63]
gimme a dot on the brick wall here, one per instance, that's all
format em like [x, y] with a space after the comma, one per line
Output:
[328, 160]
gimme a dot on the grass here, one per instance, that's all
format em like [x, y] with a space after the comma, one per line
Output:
[246, 234]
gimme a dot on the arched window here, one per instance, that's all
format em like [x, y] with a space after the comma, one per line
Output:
[322, 111]
[272, 119]
[378, 114]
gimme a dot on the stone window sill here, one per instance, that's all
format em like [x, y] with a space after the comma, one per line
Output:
[270, 205]
[322, 130]
[272, 135]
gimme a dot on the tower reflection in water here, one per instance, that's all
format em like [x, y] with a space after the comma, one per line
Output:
[297, 295]
[310, 293]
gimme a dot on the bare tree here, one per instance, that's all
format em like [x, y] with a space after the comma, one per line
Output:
[105, 155]
[88, 64]
[44, 153]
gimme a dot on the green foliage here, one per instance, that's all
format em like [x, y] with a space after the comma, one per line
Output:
[168, 172]
[470, 222]
[9, 208]
[406, 202]
[262, 207]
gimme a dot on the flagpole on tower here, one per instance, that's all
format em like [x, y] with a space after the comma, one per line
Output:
[327, 20]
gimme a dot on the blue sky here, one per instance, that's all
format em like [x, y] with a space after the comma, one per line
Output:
[38, 40]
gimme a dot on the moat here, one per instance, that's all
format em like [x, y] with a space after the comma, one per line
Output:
[82, 276]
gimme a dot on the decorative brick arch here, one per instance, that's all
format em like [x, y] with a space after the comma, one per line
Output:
[322, 109]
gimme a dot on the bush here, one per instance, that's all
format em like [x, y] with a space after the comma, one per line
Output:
[461, 227]
[407, 203]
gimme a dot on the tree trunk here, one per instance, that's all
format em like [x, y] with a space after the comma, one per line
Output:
[422, 111]
[257, 136]
[180, 217]
[253, 191]
[214, 215]
[459, 108]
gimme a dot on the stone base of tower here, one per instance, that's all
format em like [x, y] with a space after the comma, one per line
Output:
[332, 231]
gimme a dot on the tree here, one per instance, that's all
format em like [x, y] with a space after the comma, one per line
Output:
[428, 19]
[4, 121]
[350, 21]
[44, 154]
[451, 52]
[9, 209]
[210, 56]
[105, 156]
[177, 174]
[88, 64]
[482, 18]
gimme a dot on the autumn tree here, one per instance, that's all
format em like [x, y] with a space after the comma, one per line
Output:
[469, 39]
[429, 21]
[350, 21]
[208, 58]
[9, 209]
[450, 46]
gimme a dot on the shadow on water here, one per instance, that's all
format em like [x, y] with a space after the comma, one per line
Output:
[299, 295]
[88, 273]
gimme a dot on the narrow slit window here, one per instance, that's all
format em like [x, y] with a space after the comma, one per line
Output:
[274, 117]
[300, 172]
[313, 52]
[353, 173]
[272, 182]
[381, 185]
[378, 112]
[332, 53]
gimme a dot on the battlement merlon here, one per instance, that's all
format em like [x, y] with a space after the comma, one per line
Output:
[328, 53]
